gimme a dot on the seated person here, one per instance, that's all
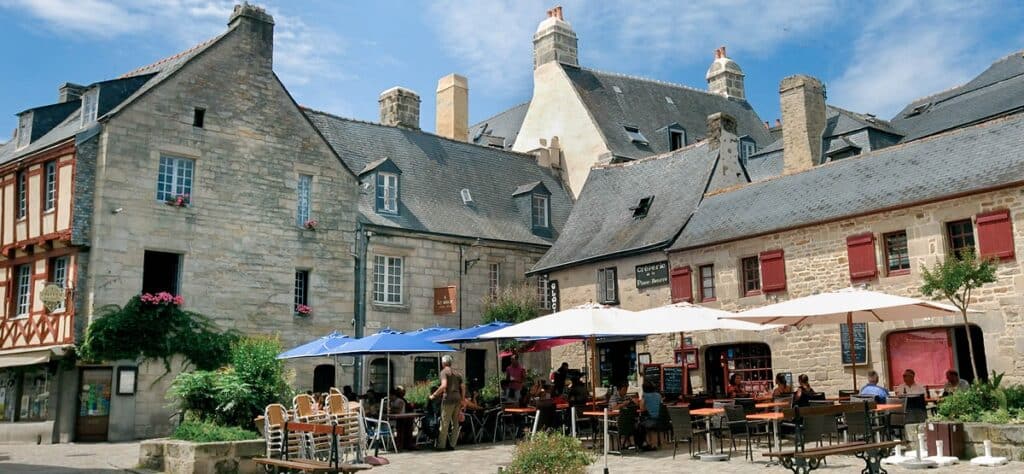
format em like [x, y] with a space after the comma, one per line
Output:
[733, 388]
[349, 395]
[781, 387]
[651, 403]
[804, 392]
[578, 394]
[470, 403]
[617, 396]
[954, 383]
[910, 387]
[396, 402]
[536, 389]
[872, 389]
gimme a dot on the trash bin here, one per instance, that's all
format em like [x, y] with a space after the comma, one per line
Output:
[951, 434]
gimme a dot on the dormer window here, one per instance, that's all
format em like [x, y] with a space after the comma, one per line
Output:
[635, 136]
[676, 138]
[640, 210]
[387, 193]
[24, 134]
[747, 148]
[540, 211]
[90, 105]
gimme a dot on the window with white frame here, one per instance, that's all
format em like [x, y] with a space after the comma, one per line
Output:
[90, 106]
[493, 280]
[387, 192]
[175, 178]
[50, 197]
[540, 211]
[387, 279]
[543, 292]
[59, 274]
[23, 291]
[22, 195]
[305, 190]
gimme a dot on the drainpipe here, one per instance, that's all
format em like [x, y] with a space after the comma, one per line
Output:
[359, 319]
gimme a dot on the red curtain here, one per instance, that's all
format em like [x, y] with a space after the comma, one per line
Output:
[929, 352]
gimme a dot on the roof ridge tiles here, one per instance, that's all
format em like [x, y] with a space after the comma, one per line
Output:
[656, 81]
[378, 124]
[646, 159]
[142, 69]
[873, 153]
[478, 122]
[962, 84]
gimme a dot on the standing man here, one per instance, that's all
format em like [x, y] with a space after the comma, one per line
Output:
[910, 386]
[453, 392]
[954, 383]
[516, 375]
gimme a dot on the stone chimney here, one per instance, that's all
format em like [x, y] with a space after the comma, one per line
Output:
[258, 27]
[69, 91]
[802, 99]
[400, 107]
[453, 107]
[555, 41]
[725, 77]
[722, 137]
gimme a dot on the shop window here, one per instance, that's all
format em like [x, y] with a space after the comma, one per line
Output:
[35, 396]
[424, 369]
[752, 361]
[161, 271]
[379, 376]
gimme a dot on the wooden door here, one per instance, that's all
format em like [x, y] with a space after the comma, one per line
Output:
[93, 418]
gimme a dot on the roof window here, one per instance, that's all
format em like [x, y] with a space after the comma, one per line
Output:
[669, 100]
[90, 106]
[617, 89]
[467, 198]
[918, 110]
[24, 134]
[640, 210]
[635, 136]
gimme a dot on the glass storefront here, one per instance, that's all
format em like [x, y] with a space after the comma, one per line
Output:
[25, 394]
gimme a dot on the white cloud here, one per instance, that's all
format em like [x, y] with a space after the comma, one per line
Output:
[302, 53]
[909, 50]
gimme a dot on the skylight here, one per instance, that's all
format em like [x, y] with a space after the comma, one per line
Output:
[635, 136]
[640, 210]
[466, 197]
[617, 89]
[669, 100]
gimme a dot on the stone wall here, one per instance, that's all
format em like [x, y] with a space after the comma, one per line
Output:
[185, 457]
[239, 239]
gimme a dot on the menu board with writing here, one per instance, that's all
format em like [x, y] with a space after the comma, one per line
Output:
[672, 379]
[860, 342]
[652, 374]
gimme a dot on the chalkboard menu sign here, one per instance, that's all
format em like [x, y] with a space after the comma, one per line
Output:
[860, 342]
[672, 380]
[652, 274]
[652, 374]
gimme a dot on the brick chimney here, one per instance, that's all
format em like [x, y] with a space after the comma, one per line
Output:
[69, 91]
[802, 99]
[452, 119]
[722, 137]
[555, 41]
[258, 27]
[400, 107]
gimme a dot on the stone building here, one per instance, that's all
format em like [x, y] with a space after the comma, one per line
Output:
[841, 199]
[195, 175]
[600, 117]
[441, 219]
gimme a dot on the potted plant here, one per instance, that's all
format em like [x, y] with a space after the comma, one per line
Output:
[303, 310]
[180, 200]
[311, 224]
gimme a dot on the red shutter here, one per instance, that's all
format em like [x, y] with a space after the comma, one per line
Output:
[773, 270]
[682, 285]
[995, 235]
[861, 252]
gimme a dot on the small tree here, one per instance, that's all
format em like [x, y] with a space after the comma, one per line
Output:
[954, 279]
[514, 304]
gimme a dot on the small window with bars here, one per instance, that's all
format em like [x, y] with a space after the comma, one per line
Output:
[751, 275]
[961, 237]
[897, 259]
[305, 189]
[493, 280]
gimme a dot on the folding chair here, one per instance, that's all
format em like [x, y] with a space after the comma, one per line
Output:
[316, 446]
[380, 432]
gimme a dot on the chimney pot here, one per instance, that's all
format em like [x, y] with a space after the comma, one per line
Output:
[778, 122]
[400, 107]
[723, 52]
[69, 91]
[258, 25]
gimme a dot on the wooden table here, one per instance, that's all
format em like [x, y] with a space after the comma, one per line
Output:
[888, 406]
[404, 424]
[521, 410]
[772, 405]
[601, 413]
[707, 413]
[774, 417]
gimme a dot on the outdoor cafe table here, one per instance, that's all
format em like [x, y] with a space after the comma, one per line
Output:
[403, 430]
[595, 414]
[707, 413]
[772, 405]
[521, 412]
[774, 417]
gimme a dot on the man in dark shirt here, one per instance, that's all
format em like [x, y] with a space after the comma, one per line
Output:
[558, 378]
[453, 393]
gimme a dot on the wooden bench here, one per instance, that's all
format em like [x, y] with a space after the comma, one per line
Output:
[802, 460]
[310, 466]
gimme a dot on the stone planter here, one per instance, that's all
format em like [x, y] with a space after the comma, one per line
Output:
[1007, 440]
[185, 457]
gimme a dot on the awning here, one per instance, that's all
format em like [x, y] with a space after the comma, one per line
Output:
[33, 357]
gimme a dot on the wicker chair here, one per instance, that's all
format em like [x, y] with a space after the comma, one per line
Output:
[682, 429]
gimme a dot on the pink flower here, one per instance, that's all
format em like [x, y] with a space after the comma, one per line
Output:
[162, 298]
[311, 224]
[179, 300]
[304, 309]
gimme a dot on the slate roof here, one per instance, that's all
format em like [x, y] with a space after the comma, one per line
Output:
[505, 125]
[900, 175]
[642, 104]
[602, 223]
[997, 91]
[435, 170]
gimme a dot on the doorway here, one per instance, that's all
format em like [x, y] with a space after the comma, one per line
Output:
[476, 360]
[93, 420]
[752, 361]
[323, 378]
[617, 362]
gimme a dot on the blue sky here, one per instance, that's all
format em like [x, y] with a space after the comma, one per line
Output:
[337, 56]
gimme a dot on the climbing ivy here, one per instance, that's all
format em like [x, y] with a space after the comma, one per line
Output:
[155, 327]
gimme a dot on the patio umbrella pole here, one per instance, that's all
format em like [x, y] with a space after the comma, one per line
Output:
[686, 366]
[853, 351]
[593, 367]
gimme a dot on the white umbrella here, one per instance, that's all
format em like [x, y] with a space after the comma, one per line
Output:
[846, 306]
[687, 317]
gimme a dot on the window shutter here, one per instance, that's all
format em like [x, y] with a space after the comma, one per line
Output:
[860, 249]
[773, 270]
[380, 192]
[995, 235]
[600, 286]
[681, 285]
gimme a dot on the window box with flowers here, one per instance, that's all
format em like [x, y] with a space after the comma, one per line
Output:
[180, 200]
[311, 224]
[303, 310]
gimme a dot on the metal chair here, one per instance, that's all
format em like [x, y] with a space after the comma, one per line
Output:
[682, 429]
[625, 427]
[380, 432]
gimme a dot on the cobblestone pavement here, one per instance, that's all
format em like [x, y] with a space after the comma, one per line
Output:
[487, 458]
[71, 458]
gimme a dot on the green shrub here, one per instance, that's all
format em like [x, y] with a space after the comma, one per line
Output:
[196, 393]
[550, 453]
[206, 432]
[1015, 397]
[491, 391]
[418, 394]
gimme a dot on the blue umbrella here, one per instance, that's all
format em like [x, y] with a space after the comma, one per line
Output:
[470, 334]
[390, 342]
[431, 333]
[323, 346]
